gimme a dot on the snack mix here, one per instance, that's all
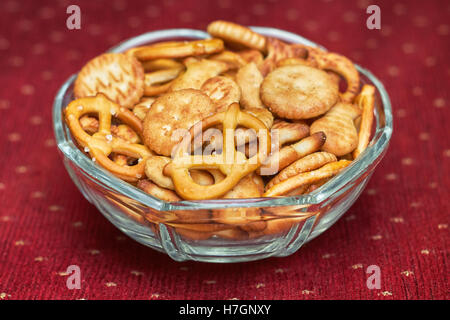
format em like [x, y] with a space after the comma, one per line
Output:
[239, 115]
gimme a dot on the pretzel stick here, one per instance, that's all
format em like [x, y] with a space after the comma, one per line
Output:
[289, 154]
[305, 164]
[328, 170]
[366, 101]
[178, 49]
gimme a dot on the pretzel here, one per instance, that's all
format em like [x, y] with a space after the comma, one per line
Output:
[308, 163]
[287, 155]
[234, 171]
[338, 126]
[118, 76]
[279, 50]
[222, 91]
[161, 64]
[237, 34]
[154, 171]
[178, 49]
[197, 72]
[158, 82]
[102, 143]
[328, 170]
[366, 101]
[338, 64]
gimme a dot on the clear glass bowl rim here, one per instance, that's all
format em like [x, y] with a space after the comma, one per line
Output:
[109, 181]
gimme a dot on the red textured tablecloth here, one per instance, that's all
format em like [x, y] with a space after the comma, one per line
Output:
[400, 222]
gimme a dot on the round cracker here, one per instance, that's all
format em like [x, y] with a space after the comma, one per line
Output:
[173, 111]
[223, 91]
[118, 76]
[299, 92]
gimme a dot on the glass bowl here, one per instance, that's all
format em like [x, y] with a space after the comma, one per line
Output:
[190, 230]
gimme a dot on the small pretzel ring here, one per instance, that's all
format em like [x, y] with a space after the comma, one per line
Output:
[102, 143]
[234, 170]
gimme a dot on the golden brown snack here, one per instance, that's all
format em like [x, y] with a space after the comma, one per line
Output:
[222, 91]
[118, 76]
[158, 82]
[141, 108]
[161, 64]
[249, 80]
[279, 50]
[230, 162]
[340, 65]
[89, 124]
[177, 49]
[306, 178]
[197, 72]
[366, 101]
[307, 163]
[154, 166]
[246, 188]
[157, 192]
[289, 154]
[338, 126]
[230, 58]
[102, 143]
[173, 111]
[262, 114]
[289, 131]
[251, 55]
[237, 34]
[298, 92]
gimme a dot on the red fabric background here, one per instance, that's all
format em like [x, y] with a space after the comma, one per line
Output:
[399, 223]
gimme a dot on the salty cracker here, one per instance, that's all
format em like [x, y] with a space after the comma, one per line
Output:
[158, 82]
[251, 55]
[116, 75]
[173, 111]
[222, 91]
[326, 171]
[308, 163]
[339, 64]
[232, 59]
[279, 50]
[197, 73]
[298, 92]
[366, 101]
[338, 126]
[249, 80]
[237, 34]
[141, 108]
[178, 49]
